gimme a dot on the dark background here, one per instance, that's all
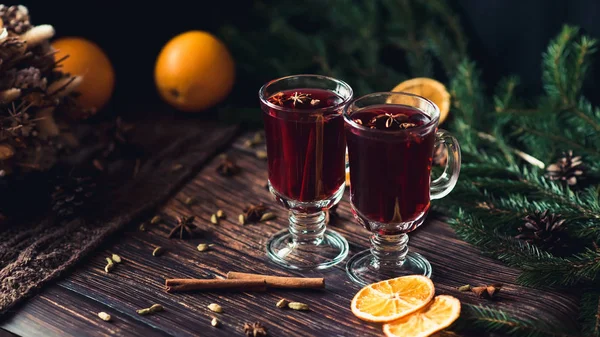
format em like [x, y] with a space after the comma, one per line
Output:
[505, 36]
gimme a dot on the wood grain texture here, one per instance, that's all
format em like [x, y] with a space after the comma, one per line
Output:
[138, 282]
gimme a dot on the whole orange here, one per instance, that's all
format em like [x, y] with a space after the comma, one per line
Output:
[88, 60]
[194, 71]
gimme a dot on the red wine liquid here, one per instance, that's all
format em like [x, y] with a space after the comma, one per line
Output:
[390, 175]
[306, 149]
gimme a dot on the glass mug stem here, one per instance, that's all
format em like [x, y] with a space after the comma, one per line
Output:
[307, 228]
[389, 251]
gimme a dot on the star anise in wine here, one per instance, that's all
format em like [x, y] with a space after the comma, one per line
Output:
[389, 120]
[298, 97]
[184, 225]
[254, 329]
[277, 99]
[254, 212]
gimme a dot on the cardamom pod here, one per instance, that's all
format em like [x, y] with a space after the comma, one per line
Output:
[156, 308]
[214, 322]
[188, 201]
[298, 306]
[144, 311]
[156, 219]
[204, 247]
[261, 154]
[143, 227]
[241, 219]
[109, 266]
[248, 143]
[267, 216]
[258, 138]
[220, 214]
[157, 251]
[104, 316]
[214, 219]
[466, 287]
[215, 307]
[282, 303]
[116, 258]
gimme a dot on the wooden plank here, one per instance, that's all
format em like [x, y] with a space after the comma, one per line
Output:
[138, 281]
[60, 312]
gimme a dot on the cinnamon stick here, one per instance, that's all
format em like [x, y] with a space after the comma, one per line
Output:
[279, 281]
[179, 285]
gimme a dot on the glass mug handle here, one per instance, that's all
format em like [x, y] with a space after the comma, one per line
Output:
[445, 183]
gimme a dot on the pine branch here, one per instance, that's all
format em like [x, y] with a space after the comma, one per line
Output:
[590, 313]
[555, 65]
[494, 320]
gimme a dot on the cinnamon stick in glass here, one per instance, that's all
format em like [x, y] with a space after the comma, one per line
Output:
[280, 281]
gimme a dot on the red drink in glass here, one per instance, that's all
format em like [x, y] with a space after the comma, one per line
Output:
[304, 130]
[306, 151]
[393, 176]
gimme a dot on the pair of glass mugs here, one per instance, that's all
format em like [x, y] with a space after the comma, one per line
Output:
[312, 124]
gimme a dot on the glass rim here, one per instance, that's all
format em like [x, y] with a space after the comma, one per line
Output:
[345, 100]
[433, 120]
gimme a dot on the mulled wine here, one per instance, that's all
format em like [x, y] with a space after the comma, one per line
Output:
[305, 144]
[390, 176]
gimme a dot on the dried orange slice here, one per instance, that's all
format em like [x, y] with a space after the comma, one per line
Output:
[392, 299]
[429, 88]
[438, 315]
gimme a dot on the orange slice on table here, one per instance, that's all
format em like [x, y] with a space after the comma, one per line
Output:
[438, 315]
[429, 88]
[392, 299]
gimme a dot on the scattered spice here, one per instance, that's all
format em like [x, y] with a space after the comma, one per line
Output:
[258, 138]
[466, 287]
[109, 266]
[241, 219]
[254, 329]
[176, 167]
[214, 219]
[267, 216]
[214, 322]
[204, 247]
[153, 309]
[104, 316]
[116, 258]
[184, 225]
[215, 307]
[156, 219]
[143, 227]
[189, 201]
[253, 213]
[248, 143]
[261, 154]
[298, 306]
[220, 214]
[283, 303]
[489, 291]
[157, 251]
[227, 167]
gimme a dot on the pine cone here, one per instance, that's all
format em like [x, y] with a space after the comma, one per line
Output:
[567, 168]
[10, 49]
[545, 230]
[15, 18]
[28, 78]
[72, 195]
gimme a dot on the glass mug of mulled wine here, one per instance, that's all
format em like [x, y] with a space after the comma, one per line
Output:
[304, 131]
[391, 137]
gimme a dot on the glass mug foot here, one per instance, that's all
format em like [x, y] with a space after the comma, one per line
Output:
[326, 252]
[363, 268]
[307, 243]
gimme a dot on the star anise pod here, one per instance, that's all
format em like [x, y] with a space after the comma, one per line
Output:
[298, 97]
[277, 99]
[227, 167]
[254, 329]
[253, 213]
[185, 225]
[489, 291]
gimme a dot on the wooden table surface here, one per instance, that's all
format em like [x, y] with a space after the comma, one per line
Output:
[69, 306]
